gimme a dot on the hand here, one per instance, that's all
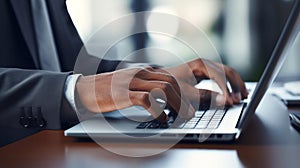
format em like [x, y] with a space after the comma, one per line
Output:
[138, 86]
[189, 74]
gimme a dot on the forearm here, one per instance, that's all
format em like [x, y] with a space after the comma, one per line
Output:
[88, 66]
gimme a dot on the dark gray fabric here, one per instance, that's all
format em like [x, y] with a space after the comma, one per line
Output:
[23, 83]
[44, 36]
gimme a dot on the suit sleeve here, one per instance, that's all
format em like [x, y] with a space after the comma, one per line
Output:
[31, 98]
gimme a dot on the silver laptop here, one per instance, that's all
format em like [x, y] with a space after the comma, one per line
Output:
[209, 124]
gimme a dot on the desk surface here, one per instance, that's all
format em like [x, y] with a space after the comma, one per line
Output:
[268, 141]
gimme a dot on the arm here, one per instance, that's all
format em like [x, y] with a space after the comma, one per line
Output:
[31, 88]
[142, 86]
[21, 88]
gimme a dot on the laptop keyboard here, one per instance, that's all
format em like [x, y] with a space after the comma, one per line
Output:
[206, 119]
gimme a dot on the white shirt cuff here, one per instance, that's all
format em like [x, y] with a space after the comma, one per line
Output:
[70, 90]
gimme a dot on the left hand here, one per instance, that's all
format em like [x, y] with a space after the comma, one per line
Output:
[189, 74]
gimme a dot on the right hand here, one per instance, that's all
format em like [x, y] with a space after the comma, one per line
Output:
[137, 86]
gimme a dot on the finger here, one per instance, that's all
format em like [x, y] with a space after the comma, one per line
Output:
[211, 98]
[240, 92]
[165, 91]
[237, 84]
[150, 74]
[243, 88]
[147, 101]
[214, 72]
[204, 98]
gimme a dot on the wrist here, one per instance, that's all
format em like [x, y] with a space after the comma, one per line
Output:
[86, 91]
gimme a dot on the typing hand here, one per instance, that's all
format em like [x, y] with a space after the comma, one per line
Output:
[138, 86]
[189, 74]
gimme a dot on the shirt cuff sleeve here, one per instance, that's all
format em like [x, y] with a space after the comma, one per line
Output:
[70, 90]
[72, 98]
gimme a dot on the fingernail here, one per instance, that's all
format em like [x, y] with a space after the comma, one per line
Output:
[220, 100]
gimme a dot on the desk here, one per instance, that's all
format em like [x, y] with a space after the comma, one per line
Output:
[268, 141]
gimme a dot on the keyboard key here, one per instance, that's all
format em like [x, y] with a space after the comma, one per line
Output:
[217, 118]
[208, 115]
[189, 126]
[199, 126]
[220, 111]
[178, 125]
[202, 124]
[194, 120]
[164, 126]
[199, 114]
[213, 125]
[154, 125]
[142, 125]
[210, 112]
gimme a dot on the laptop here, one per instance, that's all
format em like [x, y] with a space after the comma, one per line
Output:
[209, 124]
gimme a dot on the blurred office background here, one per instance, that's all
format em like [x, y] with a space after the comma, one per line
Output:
[243, 32]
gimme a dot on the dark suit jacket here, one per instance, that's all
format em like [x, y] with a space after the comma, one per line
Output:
[23, 83]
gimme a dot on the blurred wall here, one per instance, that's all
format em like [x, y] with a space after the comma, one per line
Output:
[243, 31]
